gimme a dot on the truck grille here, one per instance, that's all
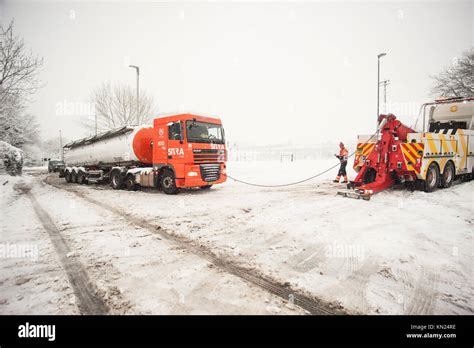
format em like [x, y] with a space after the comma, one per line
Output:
[208, 156]
[210, 172]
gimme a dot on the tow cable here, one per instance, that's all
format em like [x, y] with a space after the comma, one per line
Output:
[300, 181]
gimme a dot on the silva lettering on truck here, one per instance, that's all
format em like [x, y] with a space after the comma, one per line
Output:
[174, 151]
[217, 146]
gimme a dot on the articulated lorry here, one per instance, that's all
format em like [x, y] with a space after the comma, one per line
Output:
[180, 151]
[432, 158]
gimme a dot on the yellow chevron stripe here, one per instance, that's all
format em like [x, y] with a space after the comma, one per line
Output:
[407, 154]
[444, 143]
[431, 144]
[412, 168]
[418, 146]
[464, 148]
[454, 143]
[413, 150]
[366, 147]
[367, 150]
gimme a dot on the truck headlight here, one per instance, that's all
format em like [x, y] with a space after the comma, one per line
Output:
[192, 174]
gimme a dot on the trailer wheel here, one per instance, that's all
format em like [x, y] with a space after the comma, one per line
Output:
[448, 175]
[67, 176]
[116, 181]
[81, 178]
[432, 178]
[73, 176]
[130, 182]
[168, 182]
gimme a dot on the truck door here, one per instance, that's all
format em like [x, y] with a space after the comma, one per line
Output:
[175, 152]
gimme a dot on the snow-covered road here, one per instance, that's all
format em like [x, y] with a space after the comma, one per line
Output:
[130, 269]
[401, 252]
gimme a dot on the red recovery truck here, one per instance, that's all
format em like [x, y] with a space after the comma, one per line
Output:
[428, 159]
[180, 151]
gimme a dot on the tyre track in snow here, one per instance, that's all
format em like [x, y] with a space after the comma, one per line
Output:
[84, 290]
[309, 303]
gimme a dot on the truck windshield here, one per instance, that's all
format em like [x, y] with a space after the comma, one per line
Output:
[203, 132]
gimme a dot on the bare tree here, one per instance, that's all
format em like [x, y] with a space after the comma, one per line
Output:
[18, 79]
[116, 106]
[18, 67]
[458, 79]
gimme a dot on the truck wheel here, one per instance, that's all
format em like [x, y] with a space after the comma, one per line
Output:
[67, 176]
[116, 181]
[81, 178]
[432, 178]
[208, 187]
[448, 175]
[168, 182]
[130, 182]
[73, 176]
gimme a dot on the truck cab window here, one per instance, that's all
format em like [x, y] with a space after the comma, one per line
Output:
[174, 131]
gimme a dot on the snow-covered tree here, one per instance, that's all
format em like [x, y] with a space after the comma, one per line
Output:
[458, 79]
[16, 127]
[18, 79]
[11, 158]
[18, 67]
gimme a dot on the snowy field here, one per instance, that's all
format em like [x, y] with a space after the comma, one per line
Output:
[399, 253]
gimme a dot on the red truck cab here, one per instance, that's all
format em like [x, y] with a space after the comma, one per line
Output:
[193, 147]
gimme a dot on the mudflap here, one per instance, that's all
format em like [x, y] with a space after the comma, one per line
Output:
[355, 195]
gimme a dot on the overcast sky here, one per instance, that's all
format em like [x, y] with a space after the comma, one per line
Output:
[274, 72]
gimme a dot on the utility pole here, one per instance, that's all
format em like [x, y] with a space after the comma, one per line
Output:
[60, 146]
[95, 117]
[380, 55]
[385, 83]
[138, 91]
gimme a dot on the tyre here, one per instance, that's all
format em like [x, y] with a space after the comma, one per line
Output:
[168, 182]
[432, 178]
[116, 180]
[81, 178]
[208, 187]
[67, 176]
[130, 182]
[73, 176]
[447, 178]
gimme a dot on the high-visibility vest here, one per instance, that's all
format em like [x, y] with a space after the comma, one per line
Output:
[343, 153]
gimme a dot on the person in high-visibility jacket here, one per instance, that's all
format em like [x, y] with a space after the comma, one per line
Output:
[343, 154]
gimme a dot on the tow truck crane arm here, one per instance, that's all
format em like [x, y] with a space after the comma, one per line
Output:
[384, 166]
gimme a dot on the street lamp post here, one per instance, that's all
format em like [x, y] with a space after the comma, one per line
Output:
[380, 55]
[385, 83]
[138, 91]
[60, 146]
